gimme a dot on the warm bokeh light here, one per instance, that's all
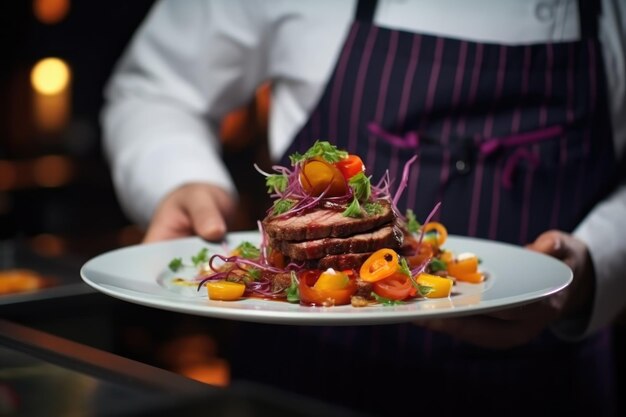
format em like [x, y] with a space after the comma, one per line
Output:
[50, 76]
[52, 171]
[48, 245]
[51, 11]
[8, 175]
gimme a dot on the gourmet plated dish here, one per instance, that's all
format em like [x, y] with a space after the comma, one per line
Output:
[332, 237]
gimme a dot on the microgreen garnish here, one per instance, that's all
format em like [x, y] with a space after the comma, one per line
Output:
[386, 301]
[411, 222]
[323, 149]
[436, 265]
[254, 273]
[293, 294]
[248, 250]
[200, 257]
[276, 182]
[422, 290]
[404, 267]
[360, 183]
[175, 264]
[373, 208]
[353, 210]
[282, 206]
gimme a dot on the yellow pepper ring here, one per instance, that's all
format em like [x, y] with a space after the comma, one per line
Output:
[442, 232]
[381, 264]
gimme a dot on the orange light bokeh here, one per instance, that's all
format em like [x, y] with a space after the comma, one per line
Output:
[52, 171]
[51, 11]
[48, 245]
[8, 175]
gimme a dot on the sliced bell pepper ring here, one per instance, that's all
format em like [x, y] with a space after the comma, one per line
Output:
[380, 265]
[309, 295]
[442, 233]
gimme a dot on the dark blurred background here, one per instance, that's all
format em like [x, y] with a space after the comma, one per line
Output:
[58, 207]
[55, 187]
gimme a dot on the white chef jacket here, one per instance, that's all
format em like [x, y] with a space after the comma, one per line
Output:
[193, 61]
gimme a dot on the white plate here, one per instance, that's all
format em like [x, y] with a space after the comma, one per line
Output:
[139, 274]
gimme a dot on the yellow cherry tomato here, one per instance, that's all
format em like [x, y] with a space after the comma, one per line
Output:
[441, 286]
[318, 176]
[225, 290]
[331, 280]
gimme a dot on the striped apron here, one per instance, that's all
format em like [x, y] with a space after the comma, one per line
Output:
[514, 141]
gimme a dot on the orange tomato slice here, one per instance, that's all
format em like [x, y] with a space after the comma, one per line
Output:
[225, 290]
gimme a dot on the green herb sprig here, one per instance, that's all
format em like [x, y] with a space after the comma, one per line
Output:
[323, 149]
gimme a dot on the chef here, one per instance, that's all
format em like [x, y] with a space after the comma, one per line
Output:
[516, 112]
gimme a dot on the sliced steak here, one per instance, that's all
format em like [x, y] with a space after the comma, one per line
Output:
[325, 222]
[338, 262]
[388, 236]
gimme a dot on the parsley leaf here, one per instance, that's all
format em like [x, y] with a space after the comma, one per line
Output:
[175, 264]
[353, 210]
[293, 294]
[200, 257]
[323, 149]
[248, 251]
[361, 186]
[411, 222]
[276, 182]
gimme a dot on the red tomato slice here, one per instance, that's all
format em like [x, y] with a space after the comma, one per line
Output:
[323, 297]
[350, 166]
[396, 287]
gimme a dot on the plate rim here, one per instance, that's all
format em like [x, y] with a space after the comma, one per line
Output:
[321, 315]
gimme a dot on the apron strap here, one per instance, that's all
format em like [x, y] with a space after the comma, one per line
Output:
[589, 14]
[365, 10]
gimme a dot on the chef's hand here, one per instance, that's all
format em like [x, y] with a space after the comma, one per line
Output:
[192, 209]
[519, 325]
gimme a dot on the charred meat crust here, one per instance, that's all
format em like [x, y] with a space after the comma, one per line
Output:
[388, 236]
[325, 222]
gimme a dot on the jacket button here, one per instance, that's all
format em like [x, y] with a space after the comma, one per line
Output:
[462, 167]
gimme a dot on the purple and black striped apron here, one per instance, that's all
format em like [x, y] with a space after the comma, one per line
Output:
[514, 141]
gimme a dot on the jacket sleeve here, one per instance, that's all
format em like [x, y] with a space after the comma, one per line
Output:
[188, 64]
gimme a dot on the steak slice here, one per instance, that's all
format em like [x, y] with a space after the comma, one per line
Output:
[325, 222]
[338, 262]
[388, 236]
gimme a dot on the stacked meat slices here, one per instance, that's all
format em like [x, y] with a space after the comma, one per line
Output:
[324, 238]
